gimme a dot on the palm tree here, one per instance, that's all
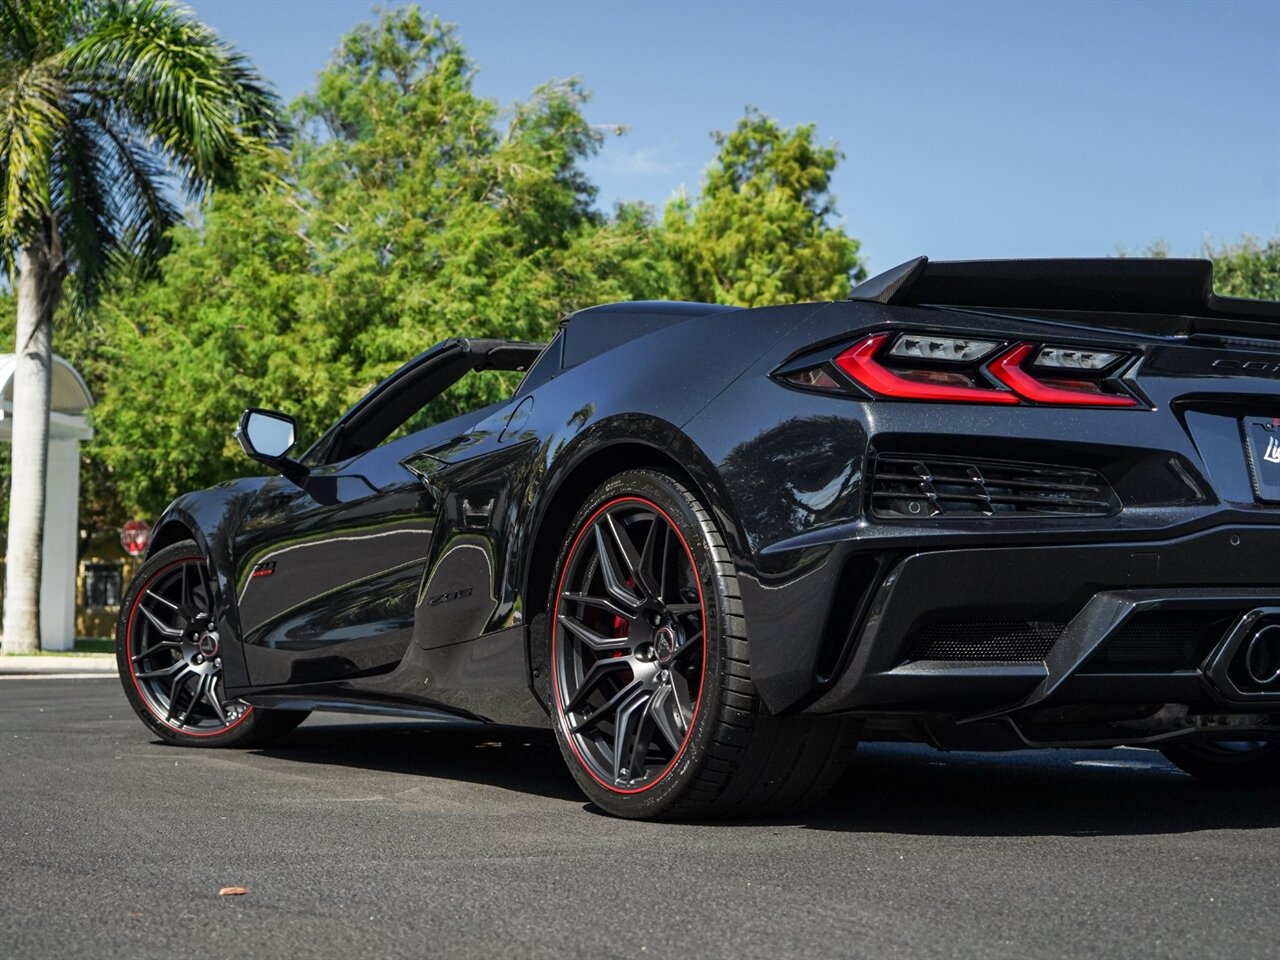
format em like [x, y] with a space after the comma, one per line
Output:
[105, 107]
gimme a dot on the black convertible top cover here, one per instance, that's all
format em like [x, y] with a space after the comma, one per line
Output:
[1115, 285]
[590, 332]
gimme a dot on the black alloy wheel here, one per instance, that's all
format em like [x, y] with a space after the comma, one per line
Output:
[169, 652]
[629, 653]
[654, 709]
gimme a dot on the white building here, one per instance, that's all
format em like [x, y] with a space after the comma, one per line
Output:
[68, 428]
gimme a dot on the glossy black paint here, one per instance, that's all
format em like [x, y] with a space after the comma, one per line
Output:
[414, 575]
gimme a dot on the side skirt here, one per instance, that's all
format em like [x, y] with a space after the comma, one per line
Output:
[368, 708]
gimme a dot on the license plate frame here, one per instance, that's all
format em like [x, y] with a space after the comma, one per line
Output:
[1262, 449]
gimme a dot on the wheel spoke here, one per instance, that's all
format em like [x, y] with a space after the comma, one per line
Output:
[201, 682]
[185, 608]
[645, 573]
[600, 603]
[626, 734]
[643, 738]
[626, 548]
[682, 609]
[175, 691]
[204, 596]
[681, 699]
[159, 624]
[614, 579]
[168, 671]
[158, 645]
[610, 706]
[691, 643]
[592, 639]
[665, 719]
[211, 697]
[168, 603]
[599, 670]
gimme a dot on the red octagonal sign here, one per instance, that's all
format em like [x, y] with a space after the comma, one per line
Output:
[134, 537]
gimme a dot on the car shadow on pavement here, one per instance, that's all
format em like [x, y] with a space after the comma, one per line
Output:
[905, 789]
[918, 790]
[514, 758]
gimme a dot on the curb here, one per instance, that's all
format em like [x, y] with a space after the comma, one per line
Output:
[85, 666]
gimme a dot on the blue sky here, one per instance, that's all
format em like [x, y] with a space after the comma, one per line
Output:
[994, 129]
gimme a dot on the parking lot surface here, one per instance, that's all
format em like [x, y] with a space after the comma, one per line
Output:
[372, 839]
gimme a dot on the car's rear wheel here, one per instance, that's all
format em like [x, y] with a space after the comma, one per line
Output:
[170, 657]
[654, 708]
[1232, 762]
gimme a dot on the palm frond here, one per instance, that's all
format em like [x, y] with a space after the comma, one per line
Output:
[178, 81]
[258, 113]
[31, 118]
[19, 30]
[103, 103]
[144, 210]
[82, 184]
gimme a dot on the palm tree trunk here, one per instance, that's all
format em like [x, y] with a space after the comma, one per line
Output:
[41, 266]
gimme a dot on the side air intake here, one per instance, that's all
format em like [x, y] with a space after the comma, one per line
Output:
[908, 487]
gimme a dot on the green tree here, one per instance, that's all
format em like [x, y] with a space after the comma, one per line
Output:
[100, 102]
[219, 329]
[413, 210]
[1247, 268]
[762, 231]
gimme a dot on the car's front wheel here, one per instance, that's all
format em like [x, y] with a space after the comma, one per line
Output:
[1231, 762]
[169, 653]
[654, 707]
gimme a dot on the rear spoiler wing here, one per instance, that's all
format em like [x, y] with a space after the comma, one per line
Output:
[1165, 287]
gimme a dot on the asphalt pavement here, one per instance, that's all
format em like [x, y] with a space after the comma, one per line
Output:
[389, 839]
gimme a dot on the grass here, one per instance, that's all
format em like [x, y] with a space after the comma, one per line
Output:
[84, 647]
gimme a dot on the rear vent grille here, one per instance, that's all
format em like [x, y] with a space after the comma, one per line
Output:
[1005, 642]
[853, 593]
[1160, 642]
[911, 487]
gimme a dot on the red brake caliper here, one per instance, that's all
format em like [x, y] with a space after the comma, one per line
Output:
[620, 629]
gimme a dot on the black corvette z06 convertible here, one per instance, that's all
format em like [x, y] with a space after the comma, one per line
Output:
[984, 505]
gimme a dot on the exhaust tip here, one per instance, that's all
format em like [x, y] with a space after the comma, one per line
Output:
[1245, 666]
[1262, 655]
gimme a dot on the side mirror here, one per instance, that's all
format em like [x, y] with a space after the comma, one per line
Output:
[268, 436]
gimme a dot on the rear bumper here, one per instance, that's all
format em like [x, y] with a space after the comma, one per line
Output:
[1009, 631]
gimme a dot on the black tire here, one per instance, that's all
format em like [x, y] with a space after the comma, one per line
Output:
[180, 594]
[736, 760]
[1228, 764]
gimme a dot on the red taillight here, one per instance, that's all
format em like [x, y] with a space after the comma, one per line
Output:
[1007, 368]
[859, 362]
[950, 369]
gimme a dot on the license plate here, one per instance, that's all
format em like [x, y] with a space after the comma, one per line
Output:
[1262, 441]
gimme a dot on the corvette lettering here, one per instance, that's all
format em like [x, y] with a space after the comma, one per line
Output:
[1256, 368]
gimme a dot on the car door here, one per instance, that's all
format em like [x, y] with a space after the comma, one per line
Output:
[330, 567]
